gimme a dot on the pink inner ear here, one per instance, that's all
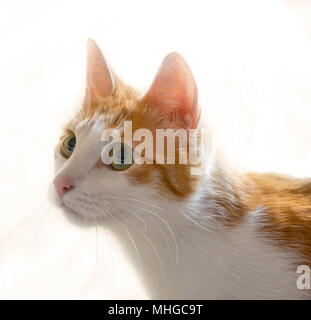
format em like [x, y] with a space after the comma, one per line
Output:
[99, 78]
[174, 91]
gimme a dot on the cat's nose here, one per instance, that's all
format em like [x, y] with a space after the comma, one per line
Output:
[62, 185]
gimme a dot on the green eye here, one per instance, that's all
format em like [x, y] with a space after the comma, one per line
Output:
[119, 157]
[68, 144]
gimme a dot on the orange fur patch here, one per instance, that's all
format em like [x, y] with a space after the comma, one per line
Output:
[286, 203]
[125, 105]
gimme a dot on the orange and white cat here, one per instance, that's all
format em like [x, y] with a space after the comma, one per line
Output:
[218, 235]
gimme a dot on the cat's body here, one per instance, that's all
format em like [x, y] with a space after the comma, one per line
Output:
[217, 235]
[214, 253]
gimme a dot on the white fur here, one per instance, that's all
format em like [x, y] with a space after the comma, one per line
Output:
[179, 247]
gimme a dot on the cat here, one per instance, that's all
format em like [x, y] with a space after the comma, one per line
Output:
[220, 234]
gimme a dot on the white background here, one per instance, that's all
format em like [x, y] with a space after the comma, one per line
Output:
[252, 62]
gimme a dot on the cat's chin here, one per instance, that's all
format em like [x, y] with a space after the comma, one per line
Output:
[82, 218]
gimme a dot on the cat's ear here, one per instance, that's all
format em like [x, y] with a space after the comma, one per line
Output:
[174, 91]
[99, 79]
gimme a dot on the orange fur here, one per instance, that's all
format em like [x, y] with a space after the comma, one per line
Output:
[124, 105]
[286, 203]
[284, 206]
[274, 209]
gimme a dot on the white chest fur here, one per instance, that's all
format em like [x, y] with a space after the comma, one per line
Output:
[184, 256]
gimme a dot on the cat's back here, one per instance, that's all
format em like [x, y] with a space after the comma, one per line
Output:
[267, 239]
[285, 210]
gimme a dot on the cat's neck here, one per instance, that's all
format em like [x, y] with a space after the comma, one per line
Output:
[173, 235]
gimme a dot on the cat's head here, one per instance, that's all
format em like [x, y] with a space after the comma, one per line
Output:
[94, 189]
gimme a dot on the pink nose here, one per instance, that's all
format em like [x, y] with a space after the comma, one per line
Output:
[62, 185]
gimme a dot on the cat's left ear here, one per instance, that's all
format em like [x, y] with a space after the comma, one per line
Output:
[175, 92]
[99, 79]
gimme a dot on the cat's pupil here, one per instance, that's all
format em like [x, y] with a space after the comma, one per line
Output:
[122, 155]
[71, 145]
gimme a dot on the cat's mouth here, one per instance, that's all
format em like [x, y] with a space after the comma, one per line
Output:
[73, 209]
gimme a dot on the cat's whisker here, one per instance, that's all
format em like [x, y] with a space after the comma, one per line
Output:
[131, 239]
[41, 209]
[91, 273]
[45, 214]
[37, 212]
[108, 245]
[155, 252]
[150, 203]
[167, 240]
[157, 255]
[106, 242]
[147, 238]
[96, 243]
[233, 234]
[156, 215]
[193, 221]
[138, 217]
[145, 224]
[169, 228]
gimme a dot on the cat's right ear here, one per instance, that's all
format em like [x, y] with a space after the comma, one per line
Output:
[99, 79]
[174, 92]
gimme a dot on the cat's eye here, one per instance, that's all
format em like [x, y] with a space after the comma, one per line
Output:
[121, 156]
[68, 144]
